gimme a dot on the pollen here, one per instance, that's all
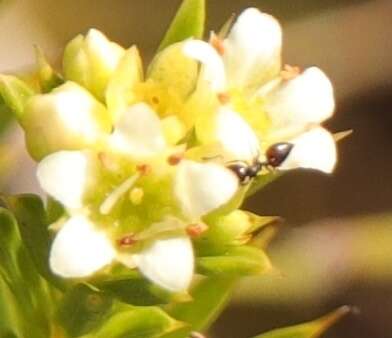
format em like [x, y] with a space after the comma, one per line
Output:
[126, 241]
[136, 195]
[144, 169]
[224, 98]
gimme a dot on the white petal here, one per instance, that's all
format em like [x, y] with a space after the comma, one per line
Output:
[168, 262]
[253, 48]
[304, 100]
[65, 176]
[315, 149]
[138, 132]
[203, 187]
[79, 249]
[235, 135]
[213, 70]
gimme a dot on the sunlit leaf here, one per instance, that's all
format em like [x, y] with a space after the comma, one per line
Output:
[188, 22]
[135, 322]
[210, 296]
[48, 78]
[311, 329]
[14, 93]
[237, 261]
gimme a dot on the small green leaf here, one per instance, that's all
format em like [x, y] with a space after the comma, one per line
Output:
[311, 329]
[30, 214]
[47, 77]
[209, 296]
[83, 309]
[237, 261]
[134, 289]
[135, 322]
[188, 22]
[15, 93]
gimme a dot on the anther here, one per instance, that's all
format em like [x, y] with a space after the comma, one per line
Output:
[217, 43]
[143, 169]
[224, 98]
[126, 241]
[175, 159]
[195, 230]
[155, 100]
[290, 72]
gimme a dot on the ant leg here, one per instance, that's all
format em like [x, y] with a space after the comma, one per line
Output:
[209, 158]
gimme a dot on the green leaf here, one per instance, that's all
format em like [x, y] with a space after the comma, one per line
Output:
[135, 322]
[83, 309]
[311, 329]
[24, 294]
[134, 289]
[47, 77]
[210, 296]
[15, 93]
[33, 225]
[188, 22]
[237, 261]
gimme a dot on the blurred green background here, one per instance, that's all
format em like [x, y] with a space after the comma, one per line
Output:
[335, 246]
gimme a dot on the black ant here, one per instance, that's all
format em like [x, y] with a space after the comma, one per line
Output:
[275, 154]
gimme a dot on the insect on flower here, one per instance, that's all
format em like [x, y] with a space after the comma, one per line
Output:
[275, 156]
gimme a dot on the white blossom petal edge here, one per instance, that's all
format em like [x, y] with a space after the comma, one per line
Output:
[168, 262]
[79, 249]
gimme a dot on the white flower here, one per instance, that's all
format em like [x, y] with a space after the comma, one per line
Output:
[248, 60]
[83, 246]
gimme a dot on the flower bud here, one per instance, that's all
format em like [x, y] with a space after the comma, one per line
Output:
[91, 60]
[68, 118]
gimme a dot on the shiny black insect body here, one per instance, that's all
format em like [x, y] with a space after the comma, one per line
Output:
[275, 156]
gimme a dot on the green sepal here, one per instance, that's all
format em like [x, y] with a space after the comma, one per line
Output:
[210, 295]
[135, 322]
[188, 22]
[237, 261]
[311, 329]
[33, 225]
[83, 309]
[230, 229]
[15, 93]
[48, 78]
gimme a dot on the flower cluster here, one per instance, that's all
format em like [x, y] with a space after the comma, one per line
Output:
[149, 166]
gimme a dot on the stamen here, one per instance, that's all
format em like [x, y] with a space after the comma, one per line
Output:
[107, 161]
[143, 169]
[195, 230]
[224, 98]
[109, 203]
[290, 72]
[175, 159]
[127, 241]
[217, 43]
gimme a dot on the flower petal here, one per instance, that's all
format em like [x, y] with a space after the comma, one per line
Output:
[168, 262]
[203, 187]
[213, 71]
[315, 149]
[252, 49]
[235, 136]
[306, 99]
[138, 132]
[65, 176]
[79, 249]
